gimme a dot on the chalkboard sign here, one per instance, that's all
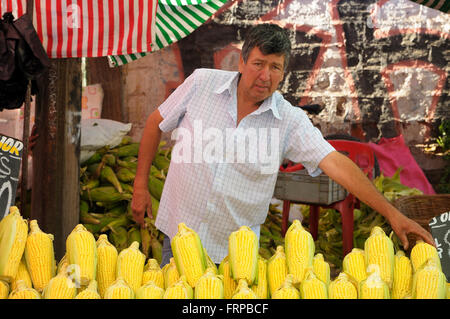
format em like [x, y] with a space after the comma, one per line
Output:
[10, 158]
[440, 230]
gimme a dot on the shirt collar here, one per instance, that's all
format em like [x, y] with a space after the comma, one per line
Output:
[228, 85]
[269, 104]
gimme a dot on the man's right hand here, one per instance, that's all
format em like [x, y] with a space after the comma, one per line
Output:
[141, 203]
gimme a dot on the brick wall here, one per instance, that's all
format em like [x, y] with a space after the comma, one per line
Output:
[376, 68]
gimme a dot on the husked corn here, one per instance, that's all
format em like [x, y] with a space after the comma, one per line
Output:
[40, 256]
[403, 275]
[150, 290]
[188, 254]
[106, 264]
[343, 287]
[277, 269]
[243, 291]
[379, 250]
[209, 286]
[153, 272]
[22, 291]
[299, 248]
[91, 292]
[13, 237]
[243, 251]
[287, 289]
[261, 289]
[421, 252]
[229, 284]
[130, 265]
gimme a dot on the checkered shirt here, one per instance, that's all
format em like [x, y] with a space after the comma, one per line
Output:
[216, 197]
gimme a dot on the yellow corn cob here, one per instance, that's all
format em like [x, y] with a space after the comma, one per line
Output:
[311, 287]
[229, 284]
[40, 256]
[13, 237]
[81, 250]
[448, 290]
[153, 272]
[61, 286]
[300, 248]
[243, 291]
[130, 265]
[243, 251]
[91, 292]
[64, 260]
[321, 269]
[210, 263]
[171, 274]
[354, 264]
[429, 282]
[22, 291]
[421, 252]
[179, 290]
[403, 274]
[261, 289]
[343, 287]
[119, 289]
[209, 286]
[4, 289]
[287, 289]
[277, 270]
[188, 254]
[379, 250]
[106, 263]
[150, 290]
[22, 274]
[373, 287]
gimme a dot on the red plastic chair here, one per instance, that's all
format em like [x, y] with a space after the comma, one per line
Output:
[363, 156]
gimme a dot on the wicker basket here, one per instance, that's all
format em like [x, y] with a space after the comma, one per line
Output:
[422, 208]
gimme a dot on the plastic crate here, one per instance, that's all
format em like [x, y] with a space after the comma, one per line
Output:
[300, 187]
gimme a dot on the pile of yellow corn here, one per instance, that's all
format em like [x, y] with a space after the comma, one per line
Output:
[95, 269]
[106, 188]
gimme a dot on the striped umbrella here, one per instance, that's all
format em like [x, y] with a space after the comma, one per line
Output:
[175, 19]
[441, 5]
[86, 28]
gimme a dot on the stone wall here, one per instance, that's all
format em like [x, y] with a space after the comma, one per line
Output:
[375, 68]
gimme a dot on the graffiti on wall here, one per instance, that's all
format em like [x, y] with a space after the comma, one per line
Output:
[373, 66]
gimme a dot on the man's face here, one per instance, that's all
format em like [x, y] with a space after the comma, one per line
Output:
[261, 75]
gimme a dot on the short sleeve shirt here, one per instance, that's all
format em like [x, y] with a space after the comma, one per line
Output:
[223, 176]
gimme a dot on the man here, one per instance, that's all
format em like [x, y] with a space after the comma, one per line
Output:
[216, 194]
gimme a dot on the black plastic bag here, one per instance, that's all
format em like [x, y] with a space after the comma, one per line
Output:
[22, 58]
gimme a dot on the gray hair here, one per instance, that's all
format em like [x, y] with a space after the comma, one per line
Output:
[270, 39]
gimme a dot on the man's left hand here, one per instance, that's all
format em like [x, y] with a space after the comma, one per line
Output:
[402, 226]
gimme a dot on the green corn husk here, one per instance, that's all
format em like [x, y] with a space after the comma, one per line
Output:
[155, 187]
[161, 162]
[125, 175]
[90, 184]
[127, 188]
[156, 249]
[104, 194]
[134, 234]
[107, 174]
[87, 218]
[126, 140]
[126, 150]
[126, 164]
[119, 238]
[109, 159]
[95, 158]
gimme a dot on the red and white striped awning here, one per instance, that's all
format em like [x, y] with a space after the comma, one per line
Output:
[86, 28]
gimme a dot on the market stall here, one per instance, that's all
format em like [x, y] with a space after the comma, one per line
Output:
[76, 236]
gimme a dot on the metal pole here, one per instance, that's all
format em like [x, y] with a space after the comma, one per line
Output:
[26, 133]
